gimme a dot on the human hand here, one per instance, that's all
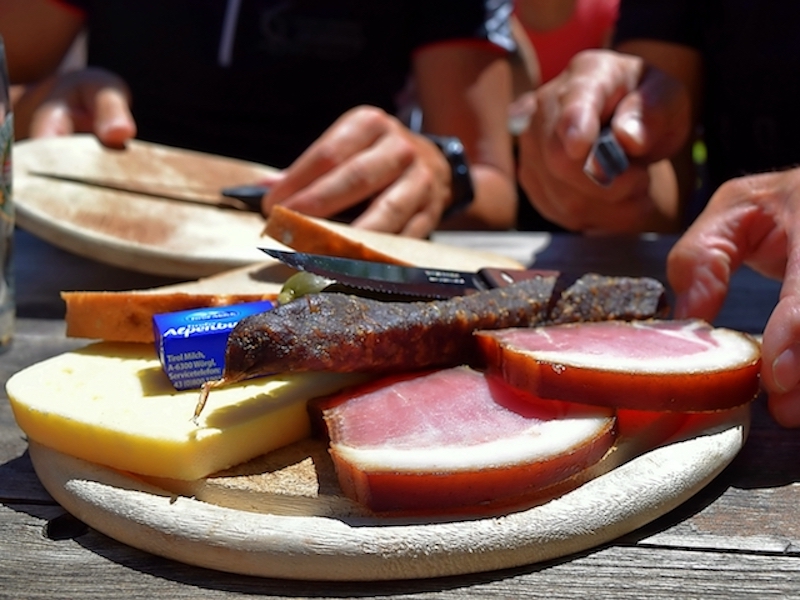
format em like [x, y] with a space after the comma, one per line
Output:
[367, 153]
[752, 220]
[90, 100]
[650, 115]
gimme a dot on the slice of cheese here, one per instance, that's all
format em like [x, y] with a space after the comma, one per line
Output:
[111, 403]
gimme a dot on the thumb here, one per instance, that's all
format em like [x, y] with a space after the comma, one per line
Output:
[780, 350]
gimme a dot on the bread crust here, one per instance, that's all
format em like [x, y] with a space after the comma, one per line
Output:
[126, 316]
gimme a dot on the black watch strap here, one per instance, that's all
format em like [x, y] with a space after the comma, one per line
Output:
[462, 190]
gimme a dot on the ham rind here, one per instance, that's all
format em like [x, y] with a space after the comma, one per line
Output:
[686, 366]
[455, 438]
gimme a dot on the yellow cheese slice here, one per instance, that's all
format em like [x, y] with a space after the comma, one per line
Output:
[112, 404]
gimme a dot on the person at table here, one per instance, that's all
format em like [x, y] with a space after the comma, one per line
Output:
[699, 64]
[549, 33]
[753, 220]
[732, 71]
[308, 87]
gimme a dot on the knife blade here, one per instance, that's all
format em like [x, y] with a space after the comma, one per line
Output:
[403, 280]
[236, 197]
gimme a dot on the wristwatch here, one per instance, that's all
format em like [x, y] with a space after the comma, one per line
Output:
[461, 181]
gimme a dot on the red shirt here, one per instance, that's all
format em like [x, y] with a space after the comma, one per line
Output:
[589, 27]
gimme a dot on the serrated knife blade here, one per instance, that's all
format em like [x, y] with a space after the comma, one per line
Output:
[402, 280]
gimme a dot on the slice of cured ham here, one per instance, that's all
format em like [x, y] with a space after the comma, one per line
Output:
[686, 366]
[455, 438]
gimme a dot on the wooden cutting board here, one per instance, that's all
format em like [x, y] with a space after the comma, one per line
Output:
[283, 516]
[185, 234]
[188, 235]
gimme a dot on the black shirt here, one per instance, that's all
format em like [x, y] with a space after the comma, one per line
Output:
[262, 79]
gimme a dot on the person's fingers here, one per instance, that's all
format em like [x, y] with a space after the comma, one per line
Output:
[411, 206]
[785, 408]
[780, 373]
[351, 134]
[559, 190]
[653, 120]
[271, 179]
[420, 225]
[700, 265]
[780, 353]
[113, 122]
[699, 276]
[570, 112]
[780, 349]
[590, 90]
[360, 177]
[745, 222]
[51, 119]
[89, 101]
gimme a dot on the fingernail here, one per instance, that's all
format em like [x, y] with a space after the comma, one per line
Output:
[786, 369]
[633, 128]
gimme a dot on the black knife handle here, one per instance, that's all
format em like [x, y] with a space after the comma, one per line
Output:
[251, 195]
[496, 278]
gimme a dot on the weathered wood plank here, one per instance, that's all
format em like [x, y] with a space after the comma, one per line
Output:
[738, 538]
[34, 340]
[92, 566]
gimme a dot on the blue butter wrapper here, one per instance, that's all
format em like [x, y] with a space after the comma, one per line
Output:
[191, 343]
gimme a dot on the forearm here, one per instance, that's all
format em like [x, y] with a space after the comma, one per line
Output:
[495, 203]
[465, 92]
[37, 36]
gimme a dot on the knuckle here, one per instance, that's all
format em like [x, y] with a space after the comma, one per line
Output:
[405, 151]
[371, 118]
[327, 156]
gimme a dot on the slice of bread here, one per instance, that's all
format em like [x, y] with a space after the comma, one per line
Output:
[321, 236]
[127, 316]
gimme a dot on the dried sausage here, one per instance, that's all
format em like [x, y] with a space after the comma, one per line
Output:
[346, 333]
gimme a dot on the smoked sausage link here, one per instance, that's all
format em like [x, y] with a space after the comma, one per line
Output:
[346, 333]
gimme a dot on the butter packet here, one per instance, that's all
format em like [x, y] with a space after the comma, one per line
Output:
[191, 343]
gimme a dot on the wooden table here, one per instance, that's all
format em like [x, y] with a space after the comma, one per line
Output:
[738, 538]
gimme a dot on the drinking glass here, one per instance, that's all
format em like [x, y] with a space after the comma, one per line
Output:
[7, 305]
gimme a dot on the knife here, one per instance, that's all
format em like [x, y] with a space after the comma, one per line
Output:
[403, 280]
[242, 197]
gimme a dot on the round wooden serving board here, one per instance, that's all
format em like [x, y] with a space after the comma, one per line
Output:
[187, 235]
[351, 546]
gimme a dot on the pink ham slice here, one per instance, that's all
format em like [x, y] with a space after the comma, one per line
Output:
[686, 366]
[455, 438]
